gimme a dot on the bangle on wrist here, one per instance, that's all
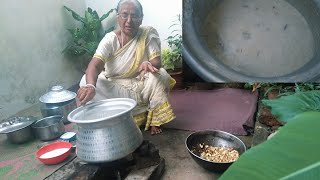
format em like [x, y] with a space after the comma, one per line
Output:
[90, 85]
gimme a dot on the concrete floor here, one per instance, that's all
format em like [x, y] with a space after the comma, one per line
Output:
[178, 162]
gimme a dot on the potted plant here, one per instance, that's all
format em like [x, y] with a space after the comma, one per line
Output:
[85, 39]
[171, 60]
[171, 57]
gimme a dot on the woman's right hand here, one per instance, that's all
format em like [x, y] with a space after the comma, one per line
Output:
[88, 91]
[85, 94]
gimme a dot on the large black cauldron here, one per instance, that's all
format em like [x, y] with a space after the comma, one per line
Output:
[246, 41]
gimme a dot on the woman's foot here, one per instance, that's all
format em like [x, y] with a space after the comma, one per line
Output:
[155, 130]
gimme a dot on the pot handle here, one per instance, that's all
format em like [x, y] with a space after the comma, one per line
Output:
[57, 88]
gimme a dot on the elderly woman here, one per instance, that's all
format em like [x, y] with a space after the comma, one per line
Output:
[127, 64]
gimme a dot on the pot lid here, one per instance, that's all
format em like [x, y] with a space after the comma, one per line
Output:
[102, 110]
[15, 124]
[57, 95]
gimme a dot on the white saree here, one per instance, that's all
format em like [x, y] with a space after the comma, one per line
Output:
[121, 78]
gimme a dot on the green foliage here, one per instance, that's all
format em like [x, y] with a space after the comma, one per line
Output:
[85, 39]
[284, 89]
[294, 147]
[175, 40]
[287, 107]
[302, 87]
[255, 86]
[280, 87]
[171, 58]
[298, 87]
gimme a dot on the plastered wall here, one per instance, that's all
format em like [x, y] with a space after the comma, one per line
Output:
[32, 37]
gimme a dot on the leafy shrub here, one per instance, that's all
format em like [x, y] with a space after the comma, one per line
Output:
[85, 39]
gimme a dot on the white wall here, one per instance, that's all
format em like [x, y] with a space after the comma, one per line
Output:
[157, 13]
[32, 37]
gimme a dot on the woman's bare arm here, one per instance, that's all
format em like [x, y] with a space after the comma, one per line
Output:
[86, 93]
[94, 68]
[156, 62]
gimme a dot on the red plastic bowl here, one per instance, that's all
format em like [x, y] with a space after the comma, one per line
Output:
[53, 146]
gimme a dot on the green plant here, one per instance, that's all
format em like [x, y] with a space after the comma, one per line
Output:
[281, 88]
[85, 39]
[172, 57]
[175, 40]
[299, 87]
[286, 107]
[255, 86]
[302, 87]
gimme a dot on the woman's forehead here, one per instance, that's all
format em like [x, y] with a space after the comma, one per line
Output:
[128, 7]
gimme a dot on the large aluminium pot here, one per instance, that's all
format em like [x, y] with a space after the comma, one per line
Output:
[58, 101]
[106, 130]
[252, 41]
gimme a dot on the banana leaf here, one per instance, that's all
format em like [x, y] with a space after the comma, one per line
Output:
[86, 39]
[310, 172]
[89, 17]
[91, 47]
[106, 15]
[286, 107]
[77, 34]
[294, 147]
[75, 15]
[93, 13]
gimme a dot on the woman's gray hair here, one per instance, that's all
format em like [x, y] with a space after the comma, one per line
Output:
[136, 3]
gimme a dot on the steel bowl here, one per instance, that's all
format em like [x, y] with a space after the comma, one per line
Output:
[49, 128]
[18, 129]
[213, 138]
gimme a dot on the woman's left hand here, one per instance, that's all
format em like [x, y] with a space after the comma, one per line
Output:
[146, 66]
[149, 66]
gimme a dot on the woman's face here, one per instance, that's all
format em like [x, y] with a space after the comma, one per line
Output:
[129, 19]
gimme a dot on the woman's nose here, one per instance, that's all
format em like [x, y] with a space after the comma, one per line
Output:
[129, 19]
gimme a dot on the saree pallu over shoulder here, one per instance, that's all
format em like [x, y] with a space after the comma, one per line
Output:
[140, 51]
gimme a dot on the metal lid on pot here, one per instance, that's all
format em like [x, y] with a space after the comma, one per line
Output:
[102, 110]
[57, 95]
[15, 124]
